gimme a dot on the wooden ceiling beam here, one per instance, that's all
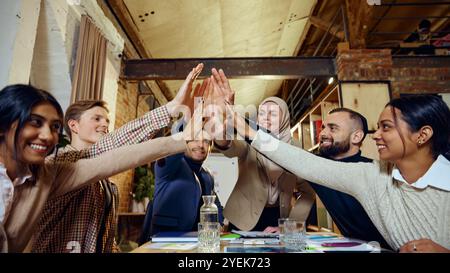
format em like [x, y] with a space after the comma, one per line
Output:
[120, 10]
[323, 25]
[359, 15]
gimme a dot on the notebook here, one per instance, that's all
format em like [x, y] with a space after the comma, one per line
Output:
[255, 234]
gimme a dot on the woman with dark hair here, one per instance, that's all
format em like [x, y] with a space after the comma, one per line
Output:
[407, 193]
[30, 124]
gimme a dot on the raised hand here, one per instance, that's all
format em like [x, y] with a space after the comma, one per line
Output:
[213, 110]
[224, 88]
[217, 96]
[197, 96]
[185, 95]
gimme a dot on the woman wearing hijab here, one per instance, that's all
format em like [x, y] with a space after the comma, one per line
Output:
[264, 192]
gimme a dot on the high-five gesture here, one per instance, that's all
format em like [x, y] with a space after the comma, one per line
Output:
[224, 88]
[197, 94]
[185, 95]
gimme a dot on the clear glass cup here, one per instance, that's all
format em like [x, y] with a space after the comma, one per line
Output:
[294, 235]
[281, 229]
[208, 237]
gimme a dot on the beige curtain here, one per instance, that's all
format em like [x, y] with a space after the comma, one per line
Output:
[88, 76]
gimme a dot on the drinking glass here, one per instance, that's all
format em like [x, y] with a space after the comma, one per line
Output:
[294, 235]
[208, 237]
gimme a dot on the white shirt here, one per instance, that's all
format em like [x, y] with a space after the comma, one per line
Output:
[438, 175]
[7, 191]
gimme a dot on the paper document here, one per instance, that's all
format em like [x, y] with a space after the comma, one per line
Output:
[172, 246]
[340, 245]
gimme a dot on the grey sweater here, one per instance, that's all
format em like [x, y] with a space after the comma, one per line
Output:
[399, 211]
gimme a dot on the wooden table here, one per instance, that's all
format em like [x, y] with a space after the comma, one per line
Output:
[144, 248]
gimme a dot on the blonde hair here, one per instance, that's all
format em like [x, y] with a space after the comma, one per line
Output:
[76, 109]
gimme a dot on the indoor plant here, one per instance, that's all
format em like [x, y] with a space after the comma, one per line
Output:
[144, 185]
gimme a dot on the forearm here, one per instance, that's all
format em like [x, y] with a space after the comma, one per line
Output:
[133, 132]
[336, 175]
[236, 148]
[85, 171]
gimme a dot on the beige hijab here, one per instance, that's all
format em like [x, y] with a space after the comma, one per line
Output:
[272, 170]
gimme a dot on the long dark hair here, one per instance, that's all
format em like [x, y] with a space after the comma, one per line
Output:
[16, 102]
[420, 110]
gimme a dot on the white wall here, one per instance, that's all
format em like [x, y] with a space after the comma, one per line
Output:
[20, 32]
[56, 46]
[225, 172]
[110, 86]
[39, 42]
[50, 67]
[9, 9]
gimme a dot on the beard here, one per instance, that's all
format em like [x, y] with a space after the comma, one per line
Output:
[337, 148]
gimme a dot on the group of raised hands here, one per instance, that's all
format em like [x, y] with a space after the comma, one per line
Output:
[208, 108]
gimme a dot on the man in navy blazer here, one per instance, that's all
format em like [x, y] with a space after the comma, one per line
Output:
[180, 182]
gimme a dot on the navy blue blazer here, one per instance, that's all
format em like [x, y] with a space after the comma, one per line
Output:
[176, 199]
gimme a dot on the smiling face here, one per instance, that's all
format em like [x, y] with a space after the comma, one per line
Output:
[388, 139]
[269, 116]
[92, 125]
[335, 135]
[37, 138]
[198, 149]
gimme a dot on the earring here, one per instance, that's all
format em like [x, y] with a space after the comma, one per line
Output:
[419, 142]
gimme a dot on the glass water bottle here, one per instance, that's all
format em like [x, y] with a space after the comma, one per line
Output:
[209, 212]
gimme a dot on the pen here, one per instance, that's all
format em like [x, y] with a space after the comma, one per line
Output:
[341, 244]
[321, 237]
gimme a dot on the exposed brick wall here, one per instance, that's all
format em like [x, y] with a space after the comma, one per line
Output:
[420, 80]
[364, 64]
[127, 96]
[142, 105]
[377, 65]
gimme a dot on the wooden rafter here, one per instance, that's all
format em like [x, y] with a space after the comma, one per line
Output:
[323, 25]
[359, 14]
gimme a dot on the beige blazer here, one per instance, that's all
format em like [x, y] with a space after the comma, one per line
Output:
[250, 194]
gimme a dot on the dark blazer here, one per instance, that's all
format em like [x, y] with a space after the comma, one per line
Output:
[176, 200]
